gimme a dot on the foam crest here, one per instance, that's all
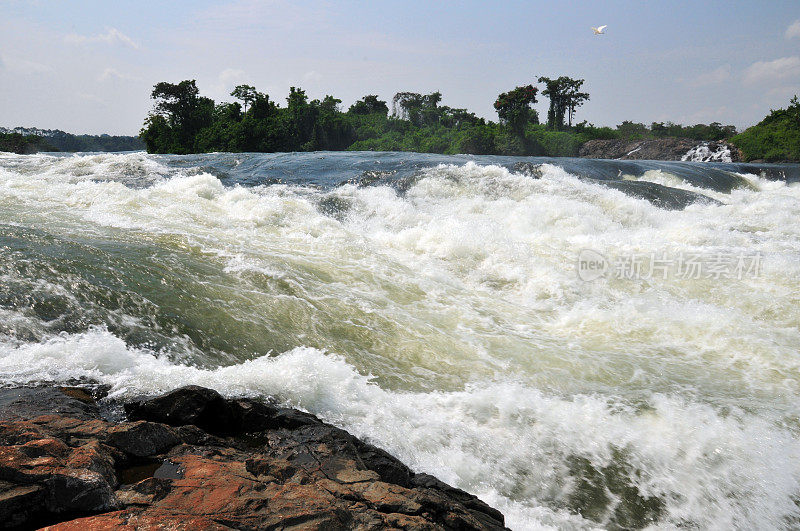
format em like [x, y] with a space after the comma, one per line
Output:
[442, 318]
[680, 452]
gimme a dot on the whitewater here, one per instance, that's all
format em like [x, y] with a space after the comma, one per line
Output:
[433, 306]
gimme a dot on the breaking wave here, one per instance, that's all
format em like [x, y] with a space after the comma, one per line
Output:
[433, 306]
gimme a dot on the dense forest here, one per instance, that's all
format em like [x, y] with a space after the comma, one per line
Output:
[23, 144]
[56, 140]
[775, 138]
[183, 121]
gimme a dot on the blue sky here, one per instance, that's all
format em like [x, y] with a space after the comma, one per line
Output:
[89, 66]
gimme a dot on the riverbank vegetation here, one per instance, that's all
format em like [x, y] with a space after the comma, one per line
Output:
[183, 121]
[23, 144]
[775, 138]
[57, 140]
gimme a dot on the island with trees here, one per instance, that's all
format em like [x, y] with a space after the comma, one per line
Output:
[182, 121]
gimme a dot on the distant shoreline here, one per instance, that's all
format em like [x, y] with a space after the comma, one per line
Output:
[642, 150]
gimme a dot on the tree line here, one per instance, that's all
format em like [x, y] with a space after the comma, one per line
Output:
[31, 139]
[183, 121]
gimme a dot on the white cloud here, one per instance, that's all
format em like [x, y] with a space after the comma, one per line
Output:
[225, 82]
[772, 71]
[718, 75]
[780, 96]
[793, 30]
[111, 36]
[112, 73]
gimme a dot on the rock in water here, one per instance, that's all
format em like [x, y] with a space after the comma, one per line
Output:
[192, 459]
[654, 149]
[661, 196]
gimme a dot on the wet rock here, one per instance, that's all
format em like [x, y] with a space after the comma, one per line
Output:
[28, 403]
[18, 502]
[659, 195]
[528, 169]
[132, 519]
[208, 410]
[201, 407]
[142, 439]
[263, 467]
[651, 149]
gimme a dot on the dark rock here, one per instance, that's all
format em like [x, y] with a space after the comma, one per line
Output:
[208, 410]
[168, 470]
[204, 408]
[274, 468]
[528, 169]
[18, 503]
[27, 403]
[659, 195]
[478, 507]
[650, 149]
[142, 439]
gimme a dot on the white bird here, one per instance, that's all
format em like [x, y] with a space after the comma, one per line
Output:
[600, 30]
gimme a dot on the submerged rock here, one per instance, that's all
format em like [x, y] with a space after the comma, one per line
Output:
[528, 169]
[659, 195]
[192, 459]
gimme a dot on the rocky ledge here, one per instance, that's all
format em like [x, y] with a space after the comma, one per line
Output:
[659, 149]
[191, 459]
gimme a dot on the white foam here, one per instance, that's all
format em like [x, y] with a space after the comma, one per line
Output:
[461, 297]
[702, 153]
[716, 471]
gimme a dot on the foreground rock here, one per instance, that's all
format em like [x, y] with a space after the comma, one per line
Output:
[658, 149]
[191, 459]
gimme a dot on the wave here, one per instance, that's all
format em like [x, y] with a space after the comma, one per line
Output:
[687, 463]
[434, 308]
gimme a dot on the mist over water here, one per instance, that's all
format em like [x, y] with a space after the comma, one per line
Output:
[432, 305]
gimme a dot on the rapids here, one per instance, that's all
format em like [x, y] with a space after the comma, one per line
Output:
[433, 305]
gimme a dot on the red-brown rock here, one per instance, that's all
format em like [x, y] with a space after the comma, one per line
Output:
[266, 467]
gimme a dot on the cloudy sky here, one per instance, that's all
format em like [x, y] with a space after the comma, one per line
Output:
[88, 66]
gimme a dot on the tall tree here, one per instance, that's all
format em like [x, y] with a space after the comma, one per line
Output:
[175, 102]
[565, 98]
[554, 90]
[575, 98]
[417, 108]
[246, 93]
[514, 107]
[178, 114]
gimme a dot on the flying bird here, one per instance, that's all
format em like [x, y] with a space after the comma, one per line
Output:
[600, 30]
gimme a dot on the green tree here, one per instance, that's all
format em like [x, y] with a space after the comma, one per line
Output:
[330, 104]
[775, 138]
[180, 109]
[246, 93]
[565, 97]
[369, 105]
[176, 102]
[630, 129]
[417, 108]
[514, 108]
[575, 98]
